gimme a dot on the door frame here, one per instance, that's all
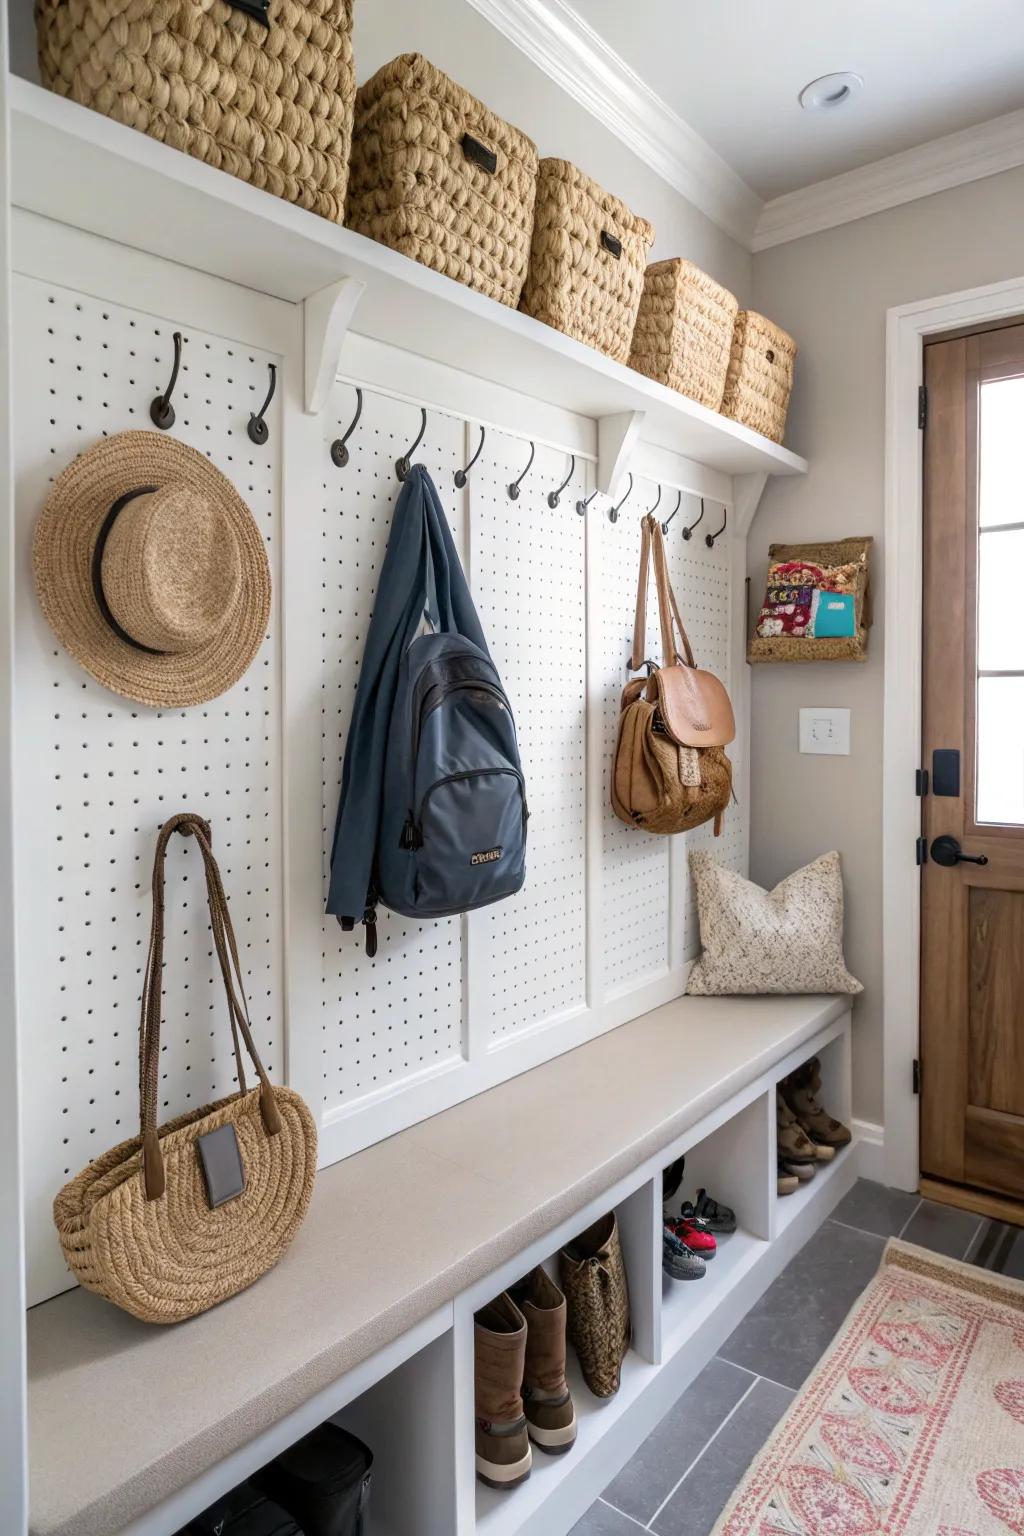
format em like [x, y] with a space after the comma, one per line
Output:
[907, 326]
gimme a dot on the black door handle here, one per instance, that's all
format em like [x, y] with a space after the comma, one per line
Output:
[946, 851]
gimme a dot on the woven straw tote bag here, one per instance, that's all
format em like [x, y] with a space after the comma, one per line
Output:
[438, 176]
[184, 1216]
[597, 1304]
[264, 89]
[683, 334]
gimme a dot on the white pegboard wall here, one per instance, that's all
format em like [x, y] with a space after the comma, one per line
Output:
[529, 582]
[97, 775]
[386, 1019]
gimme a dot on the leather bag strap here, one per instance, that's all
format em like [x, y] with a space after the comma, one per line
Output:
[231, 971]
[669, 617]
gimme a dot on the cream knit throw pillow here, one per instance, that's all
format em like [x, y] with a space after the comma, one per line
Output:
[786, 940]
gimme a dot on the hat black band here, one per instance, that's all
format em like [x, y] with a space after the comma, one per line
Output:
[97, 570]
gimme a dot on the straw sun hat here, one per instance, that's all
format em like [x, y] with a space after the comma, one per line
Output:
[151, 571]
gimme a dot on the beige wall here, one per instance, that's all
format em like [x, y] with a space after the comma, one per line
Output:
[458, 40]
[832, 291]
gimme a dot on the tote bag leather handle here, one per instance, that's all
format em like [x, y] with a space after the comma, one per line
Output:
[238, 1012]
[669, 617]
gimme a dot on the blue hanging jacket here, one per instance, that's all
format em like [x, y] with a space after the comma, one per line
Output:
[432, 816]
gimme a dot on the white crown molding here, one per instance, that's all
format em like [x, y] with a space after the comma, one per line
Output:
[968, 155]
[571, 53]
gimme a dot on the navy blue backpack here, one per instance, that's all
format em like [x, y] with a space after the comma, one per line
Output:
[433, 729]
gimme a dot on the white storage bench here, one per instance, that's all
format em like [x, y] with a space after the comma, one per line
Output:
[134, 1428]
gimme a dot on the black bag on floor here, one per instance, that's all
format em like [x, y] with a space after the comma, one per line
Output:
[323, 1481]
[242, 1512]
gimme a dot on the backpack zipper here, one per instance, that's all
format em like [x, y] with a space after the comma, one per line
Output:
[412, 832]
[477, 683]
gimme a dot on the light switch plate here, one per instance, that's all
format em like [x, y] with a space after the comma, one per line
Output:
[825, 730]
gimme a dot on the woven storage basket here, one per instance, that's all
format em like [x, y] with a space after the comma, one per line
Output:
[847, 559]
[271, 103]
[593, 1278]
[439, 177]
[587, 260]
[683, 334]
[760, 375]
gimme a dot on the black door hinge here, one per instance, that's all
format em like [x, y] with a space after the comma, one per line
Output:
[917, 1076]
[921, 851]
[922, 406]
[920, 782]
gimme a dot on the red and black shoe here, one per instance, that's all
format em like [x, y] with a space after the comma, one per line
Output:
[694, 1233]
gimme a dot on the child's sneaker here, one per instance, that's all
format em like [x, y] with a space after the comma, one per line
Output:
[695, 1235]
[678, 1261]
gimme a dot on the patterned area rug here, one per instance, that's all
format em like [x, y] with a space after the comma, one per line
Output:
[912, 1424]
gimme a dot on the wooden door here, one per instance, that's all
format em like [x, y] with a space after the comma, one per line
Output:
[972, 950]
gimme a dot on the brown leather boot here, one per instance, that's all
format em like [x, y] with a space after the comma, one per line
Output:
[503, 1454]
[802, 1090]
[550, 1415]
[793, 1143]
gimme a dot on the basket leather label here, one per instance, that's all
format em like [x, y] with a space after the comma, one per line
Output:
[257, 9]
[488, 856]
[479, 153]
[611, 243]
[221, 1162]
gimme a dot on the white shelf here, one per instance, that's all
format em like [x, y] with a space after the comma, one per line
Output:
[80, 168]
[791, 1207]
[688, 1304]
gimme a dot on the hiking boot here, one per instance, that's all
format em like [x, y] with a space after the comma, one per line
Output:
[793, 1143]
[788, 1183]
[550, 1415]
[801, 1091]
[503, 1455]
[715, 1216]
[678, 1261]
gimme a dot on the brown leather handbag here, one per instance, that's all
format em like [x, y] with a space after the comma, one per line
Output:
[670, 771]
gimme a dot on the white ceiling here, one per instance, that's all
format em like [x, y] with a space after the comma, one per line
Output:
[732, 70]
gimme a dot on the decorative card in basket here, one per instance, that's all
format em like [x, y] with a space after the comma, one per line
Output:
[817, 603]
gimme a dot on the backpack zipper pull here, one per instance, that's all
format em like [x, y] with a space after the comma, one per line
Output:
[411, 836]
[370, 924]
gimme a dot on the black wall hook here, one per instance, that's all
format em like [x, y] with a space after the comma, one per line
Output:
[657, 504]
[709, 538]
[462, 475]
[404, 464]
[688, 532]
[339, 452]
[555, 496]
[581, 506]
[613, 512]
[257, 429]
[161, 411]
[513, 490]
[675, 509]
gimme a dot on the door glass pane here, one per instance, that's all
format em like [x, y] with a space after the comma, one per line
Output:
[1000, 747]
[1000, 611]
[1001, 452]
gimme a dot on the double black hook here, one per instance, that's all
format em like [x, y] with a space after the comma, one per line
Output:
[554, 497]
[613, 512]
[709, 538]
[513, 489]
[339, 448]
[581, 506]
[404, 464]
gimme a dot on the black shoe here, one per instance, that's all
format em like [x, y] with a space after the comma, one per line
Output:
[323, 1482]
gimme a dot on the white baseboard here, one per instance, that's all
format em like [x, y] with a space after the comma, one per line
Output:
[870, 1150]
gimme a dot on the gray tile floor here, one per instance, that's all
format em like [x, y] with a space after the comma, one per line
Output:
[681, 1477]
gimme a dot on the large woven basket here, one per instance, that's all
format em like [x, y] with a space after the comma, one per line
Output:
[270, 102]
[760, 375]
[587, 260]
[683, 334]
[436, 175]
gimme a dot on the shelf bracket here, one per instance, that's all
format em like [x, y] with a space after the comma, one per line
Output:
[747, 493]
[326, 317]
[617, 437]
